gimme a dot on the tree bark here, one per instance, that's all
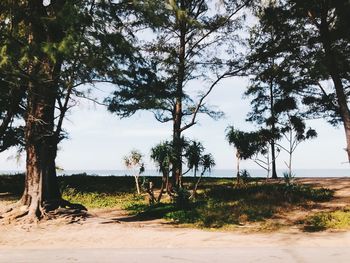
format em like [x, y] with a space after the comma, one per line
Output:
[137, 184]
[238, 169]
[335, 74]
[177, 145]
[273, 129]
[41, 191]
[177, 115]
[163, 186]
[194, 191]
[41, 187]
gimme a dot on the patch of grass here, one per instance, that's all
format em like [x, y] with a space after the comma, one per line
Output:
[272, 193]
[219, 203]
[99, 200]
[222, 205]
[339, 219]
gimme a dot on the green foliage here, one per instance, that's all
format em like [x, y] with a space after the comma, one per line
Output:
[162, 155]
[207, 162]
[308, 43]
[193, 153]
[92, 199]
[50, 51]
[246, 143]
[99, 192]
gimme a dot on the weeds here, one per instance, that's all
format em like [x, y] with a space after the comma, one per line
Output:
[339, 219]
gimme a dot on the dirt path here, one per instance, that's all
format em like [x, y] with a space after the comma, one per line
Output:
[101, 234]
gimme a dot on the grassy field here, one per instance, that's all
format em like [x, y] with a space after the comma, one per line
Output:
[220, 203]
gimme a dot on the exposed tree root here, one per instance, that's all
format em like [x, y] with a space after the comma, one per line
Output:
[56, 209]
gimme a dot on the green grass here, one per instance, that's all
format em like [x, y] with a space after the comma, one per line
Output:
[339, 219]
[219, 204]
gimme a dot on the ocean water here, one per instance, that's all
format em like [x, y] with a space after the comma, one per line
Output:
[225, 173]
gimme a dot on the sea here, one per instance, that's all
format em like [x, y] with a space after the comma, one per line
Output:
[218, 173]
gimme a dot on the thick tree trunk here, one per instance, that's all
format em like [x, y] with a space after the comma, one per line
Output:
[334, 71]
[41, 188]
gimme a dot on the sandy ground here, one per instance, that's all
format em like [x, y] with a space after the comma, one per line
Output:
[111, 229]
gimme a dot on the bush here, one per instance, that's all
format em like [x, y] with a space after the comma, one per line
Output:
[181, 198]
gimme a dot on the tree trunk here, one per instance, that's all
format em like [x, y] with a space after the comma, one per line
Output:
[273, 161]
[273, 129]
[238, 169]
[194, 192]
[331, 59]
[163, 186]
[137, 184]
[177, 114]
[177, 145]
[41, 188]
[290, 164]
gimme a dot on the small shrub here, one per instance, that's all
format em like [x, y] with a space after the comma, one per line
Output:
[181, 198]
[183, 216]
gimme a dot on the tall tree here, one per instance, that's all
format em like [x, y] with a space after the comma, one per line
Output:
[263, 88]
[183, 54]
[51, 49]
[315, 39]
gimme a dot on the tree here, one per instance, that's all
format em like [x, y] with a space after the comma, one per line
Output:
[207, 162]
[161, 154]
[133, 161]
[247, 145]
[264, 89]
[314, 37]
[295, 132]
[183, 53]
[49, 50]
[193, 153]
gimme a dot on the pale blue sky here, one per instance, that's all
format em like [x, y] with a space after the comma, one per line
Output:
[99, 140]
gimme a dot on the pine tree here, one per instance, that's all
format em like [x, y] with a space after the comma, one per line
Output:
[314, 38]
[49, 50]
[183, 54]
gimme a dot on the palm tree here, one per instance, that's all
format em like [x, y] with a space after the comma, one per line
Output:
[161, 154]
[193, 156]
[207, 162]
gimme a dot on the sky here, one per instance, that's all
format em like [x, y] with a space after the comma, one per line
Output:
[98, 140]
